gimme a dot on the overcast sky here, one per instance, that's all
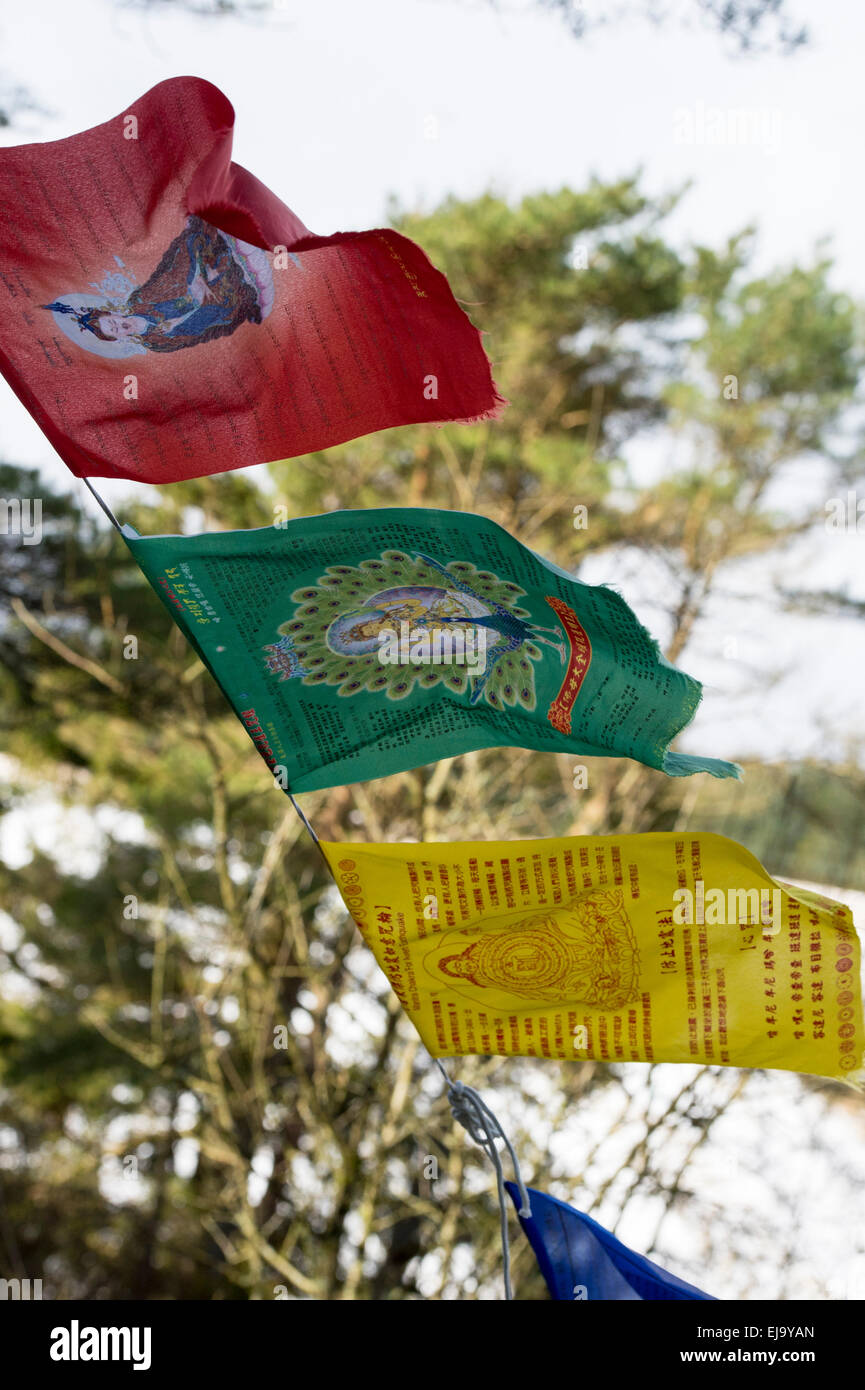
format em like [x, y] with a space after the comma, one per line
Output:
[341, 103]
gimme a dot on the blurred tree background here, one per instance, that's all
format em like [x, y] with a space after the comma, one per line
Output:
[207, 1091]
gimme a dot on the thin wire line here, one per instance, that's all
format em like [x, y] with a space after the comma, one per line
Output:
[103, 504]
[316, 841]
[304, 819]
[470, 1110]
[306, 825]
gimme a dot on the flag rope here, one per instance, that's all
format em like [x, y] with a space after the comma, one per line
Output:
[315, 840]
[103, 504]
[471, 1111]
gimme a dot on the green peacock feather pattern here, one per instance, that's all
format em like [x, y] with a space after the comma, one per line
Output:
[347, 589]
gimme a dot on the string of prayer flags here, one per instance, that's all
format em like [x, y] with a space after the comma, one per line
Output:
[362, 643]
[581, 1261]
[164, 316]
[667, 947]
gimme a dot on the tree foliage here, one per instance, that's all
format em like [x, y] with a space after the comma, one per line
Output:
[751, 25]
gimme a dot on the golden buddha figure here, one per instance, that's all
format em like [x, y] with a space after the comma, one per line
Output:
[581, 952]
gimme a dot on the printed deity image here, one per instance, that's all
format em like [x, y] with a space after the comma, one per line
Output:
[358, 644]
[585, 952]
[469, 634]
[205, 286]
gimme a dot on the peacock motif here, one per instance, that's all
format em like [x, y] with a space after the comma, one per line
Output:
[335, 629]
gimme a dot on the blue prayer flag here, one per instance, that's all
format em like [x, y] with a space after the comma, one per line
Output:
[580, 1260]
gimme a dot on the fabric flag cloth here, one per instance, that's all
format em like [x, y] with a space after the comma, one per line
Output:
[666, 947]
[362, 643]
[580, 1260]
[164, 316]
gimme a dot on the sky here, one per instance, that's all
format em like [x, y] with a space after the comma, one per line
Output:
[340, 105]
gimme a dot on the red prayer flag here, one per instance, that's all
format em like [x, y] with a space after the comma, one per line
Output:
[164, 316]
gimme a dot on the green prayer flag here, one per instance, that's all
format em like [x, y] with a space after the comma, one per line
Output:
[362, 643]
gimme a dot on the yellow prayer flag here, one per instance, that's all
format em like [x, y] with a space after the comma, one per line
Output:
[669, 947]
